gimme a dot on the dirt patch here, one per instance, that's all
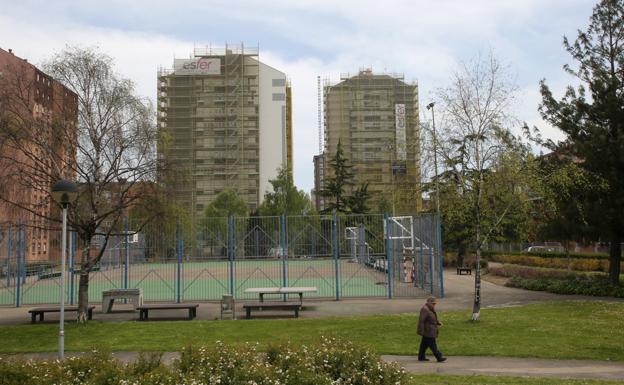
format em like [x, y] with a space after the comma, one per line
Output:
[495, 279]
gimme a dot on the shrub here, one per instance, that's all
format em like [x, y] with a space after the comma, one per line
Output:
[331, 361]
[529, 272]
[549, 254]
[593, 285]
[555, 263]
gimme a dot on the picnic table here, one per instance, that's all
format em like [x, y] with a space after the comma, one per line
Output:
[261, 291]
[108, 297]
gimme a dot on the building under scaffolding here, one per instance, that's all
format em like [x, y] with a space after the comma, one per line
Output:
[224, 119]
[375, 118]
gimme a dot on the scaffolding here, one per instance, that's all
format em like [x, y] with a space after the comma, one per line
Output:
[212, 125]
[359, 111]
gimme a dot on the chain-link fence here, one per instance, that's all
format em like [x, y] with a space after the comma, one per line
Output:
[340, 256]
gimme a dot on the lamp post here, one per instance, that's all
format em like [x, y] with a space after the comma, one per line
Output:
[435, 157]
[64, 192]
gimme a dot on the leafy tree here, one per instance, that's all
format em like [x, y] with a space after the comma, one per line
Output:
[285, 198]
[592, 116]
[110, 151]
[565, 211]
[473, 148]
[226, 203]
[338, 183]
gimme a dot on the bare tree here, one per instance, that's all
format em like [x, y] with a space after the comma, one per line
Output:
[109, 149]
[472, 139]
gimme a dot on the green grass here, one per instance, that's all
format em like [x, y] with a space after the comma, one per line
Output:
[430, 379]
[568, 330]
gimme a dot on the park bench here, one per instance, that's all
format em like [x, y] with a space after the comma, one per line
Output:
[109, 296]
[463, 269]
[144, 309]
[249, 306]
[40, 311]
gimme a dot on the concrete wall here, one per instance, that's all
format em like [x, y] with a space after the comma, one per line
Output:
[273, 145]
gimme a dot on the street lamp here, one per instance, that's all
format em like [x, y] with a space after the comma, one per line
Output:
[435, 157]
[64, 192]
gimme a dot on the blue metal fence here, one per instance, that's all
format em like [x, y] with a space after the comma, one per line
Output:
[342, 256]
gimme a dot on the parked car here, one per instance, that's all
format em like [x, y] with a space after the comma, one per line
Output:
[543, 249]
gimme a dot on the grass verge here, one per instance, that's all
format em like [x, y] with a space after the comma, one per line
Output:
[564, 330]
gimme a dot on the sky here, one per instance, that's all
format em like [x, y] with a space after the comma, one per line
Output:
[424, 40]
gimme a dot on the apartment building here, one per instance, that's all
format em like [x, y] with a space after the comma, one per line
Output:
[225, 123]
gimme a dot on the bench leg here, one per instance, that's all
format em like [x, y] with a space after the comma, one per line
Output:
[90, 314]
[34, 318]
[41, 317]
[248, 312]
[296, 312]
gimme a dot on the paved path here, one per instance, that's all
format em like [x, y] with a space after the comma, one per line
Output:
[496, 366]
[514, 367]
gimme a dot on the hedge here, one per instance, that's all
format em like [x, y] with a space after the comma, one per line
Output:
[555, 263]
[593, 285]
[548, 254]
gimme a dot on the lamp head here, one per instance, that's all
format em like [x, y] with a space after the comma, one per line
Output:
[64, 192]
[430, 105]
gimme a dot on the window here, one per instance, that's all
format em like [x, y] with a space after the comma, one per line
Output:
[279, 82]
[280, 97]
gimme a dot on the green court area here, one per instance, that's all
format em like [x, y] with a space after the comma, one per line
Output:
[203, 281]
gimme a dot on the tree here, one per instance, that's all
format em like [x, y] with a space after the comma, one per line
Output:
[110, 152]
[226, 203]
[475, 141]
[592, 116]
[285, 198]
[565, 211]
[336, 185]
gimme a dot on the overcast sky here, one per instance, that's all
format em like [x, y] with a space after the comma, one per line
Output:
[306, 38]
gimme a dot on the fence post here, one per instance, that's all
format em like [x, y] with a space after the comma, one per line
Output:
[19, 264]
[72, 237]
[432, 247]
[230, 250]
[24, 254]
[179, 248]
[9, 241]
[283, 242]
[336, 247]
[438, 228]
[389, 255]
[127, 259]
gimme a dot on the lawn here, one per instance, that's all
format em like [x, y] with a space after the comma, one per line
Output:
[565, 330]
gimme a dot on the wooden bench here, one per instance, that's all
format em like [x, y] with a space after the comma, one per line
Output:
[144, 309]
[109, 296]
[40, 311]
[249, 306]
[463, 269]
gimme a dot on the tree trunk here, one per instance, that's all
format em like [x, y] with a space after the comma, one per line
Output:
[83, 295]
[461, 252]
[615, 257]
[476, 307]
[83, 282]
